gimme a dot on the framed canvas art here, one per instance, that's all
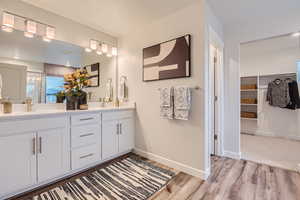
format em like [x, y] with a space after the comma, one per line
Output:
[94, 72]
[168, 60]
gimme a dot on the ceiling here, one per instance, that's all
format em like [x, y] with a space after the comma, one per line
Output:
[116, 17]
[237, 13]
[275, 44]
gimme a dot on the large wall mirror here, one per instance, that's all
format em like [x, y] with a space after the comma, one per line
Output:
[32, 68]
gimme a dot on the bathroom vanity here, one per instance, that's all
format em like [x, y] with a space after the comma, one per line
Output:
[38, 148]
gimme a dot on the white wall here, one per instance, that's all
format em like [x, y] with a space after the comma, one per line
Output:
[233, 37]
[181, 142]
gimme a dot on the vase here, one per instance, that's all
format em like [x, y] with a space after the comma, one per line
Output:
[72, 102]
[60, 99]
[82, 99]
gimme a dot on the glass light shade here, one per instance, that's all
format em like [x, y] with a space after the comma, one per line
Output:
[99, 52]
[28, 35]
[31, 26]
[88, 50]
[46, 39]
[104, 48]
[8, 20]
[93, 44]
[50, 32]
[114, 51]
[7, 29]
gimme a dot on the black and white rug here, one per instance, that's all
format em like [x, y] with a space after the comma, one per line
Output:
[129, 179]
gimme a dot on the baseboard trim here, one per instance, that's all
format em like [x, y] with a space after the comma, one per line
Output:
[232, 155]
[174, 164]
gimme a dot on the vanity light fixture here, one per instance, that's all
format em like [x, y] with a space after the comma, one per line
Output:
[104, 48]
[30, 28]
[114, 51]
[8, 22]
[93, 44]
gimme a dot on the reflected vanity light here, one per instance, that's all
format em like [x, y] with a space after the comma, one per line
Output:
[104, 48]
[88, 50]
[46, 39]
[93, 44]
[7, 29]
[28, 35]
[99, 52]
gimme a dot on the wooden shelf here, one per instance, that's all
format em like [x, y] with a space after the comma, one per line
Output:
[253, 119]
[249, 90]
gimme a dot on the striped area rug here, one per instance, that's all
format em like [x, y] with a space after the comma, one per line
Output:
[129, 179]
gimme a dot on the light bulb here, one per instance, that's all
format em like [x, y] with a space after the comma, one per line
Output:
[93, 44]
[7, 29]
[104, 48]
[88, 50]
[28, 35]
[46, 39]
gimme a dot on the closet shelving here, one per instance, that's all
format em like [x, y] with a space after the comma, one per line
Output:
[261, 82]
[249, 94]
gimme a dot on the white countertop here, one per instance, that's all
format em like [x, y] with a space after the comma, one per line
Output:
[45, 112]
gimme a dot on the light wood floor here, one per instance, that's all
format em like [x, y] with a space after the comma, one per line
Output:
[230, 180]
[235, 180]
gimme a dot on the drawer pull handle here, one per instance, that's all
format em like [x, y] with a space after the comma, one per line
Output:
[33, 146]
[40, 144]
[86, 119]
[86, 135]
[86, 156]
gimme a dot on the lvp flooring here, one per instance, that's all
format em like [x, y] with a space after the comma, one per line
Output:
[235, 180]
[230, 180]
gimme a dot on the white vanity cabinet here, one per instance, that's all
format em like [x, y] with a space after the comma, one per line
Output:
[18, 162]
[117, 133]
[41, 148]
[32, 151]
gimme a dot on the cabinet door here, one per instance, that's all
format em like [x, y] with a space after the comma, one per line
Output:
[53, 156]
[18, 162]
[126, 136]
[109, 138]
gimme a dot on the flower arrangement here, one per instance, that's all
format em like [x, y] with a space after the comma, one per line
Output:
[75, 82]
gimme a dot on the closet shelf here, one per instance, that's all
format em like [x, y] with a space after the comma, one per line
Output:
[253, 119]
[249, 90]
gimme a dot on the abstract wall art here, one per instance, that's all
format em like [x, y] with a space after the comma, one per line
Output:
[94, 72]
[168, 60]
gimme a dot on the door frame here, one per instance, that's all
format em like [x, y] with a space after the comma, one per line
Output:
[216, 41]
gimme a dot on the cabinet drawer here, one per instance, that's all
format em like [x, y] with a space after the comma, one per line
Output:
[85, 156]
[115, 115]
[85, 119]
[85, 135]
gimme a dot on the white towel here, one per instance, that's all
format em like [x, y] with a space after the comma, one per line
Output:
[166, 103]
[182, 102]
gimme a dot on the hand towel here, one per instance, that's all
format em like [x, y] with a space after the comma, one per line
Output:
[182, 102]
[166, 103]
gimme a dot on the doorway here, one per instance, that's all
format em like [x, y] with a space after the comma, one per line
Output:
[216, 47]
